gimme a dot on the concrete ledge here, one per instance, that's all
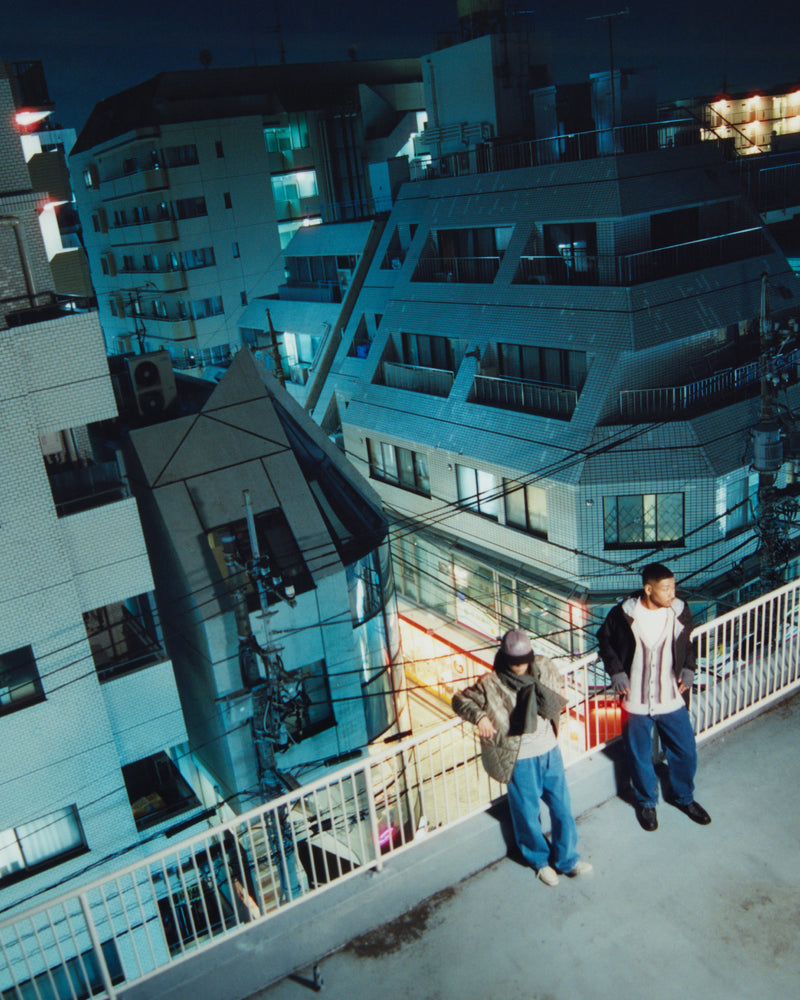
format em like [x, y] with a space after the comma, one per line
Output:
[300, 935]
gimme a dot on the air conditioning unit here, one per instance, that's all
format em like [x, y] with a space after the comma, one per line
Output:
[153, 382]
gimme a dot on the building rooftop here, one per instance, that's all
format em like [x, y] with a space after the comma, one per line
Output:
[709, 910]
[205, 94]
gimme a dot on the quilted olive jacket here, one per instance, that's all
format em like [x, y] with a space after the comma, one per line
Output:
[489, 696]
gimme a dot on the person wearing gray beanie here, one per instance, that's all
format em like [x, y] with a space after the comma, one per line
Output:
[516, 711]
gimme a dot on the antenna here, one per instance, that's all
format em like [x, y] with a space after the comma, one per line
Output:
[610, 18]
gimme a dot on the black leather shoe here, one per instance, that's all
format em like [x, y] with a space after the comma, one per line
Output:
[647, 819]
[695, 812]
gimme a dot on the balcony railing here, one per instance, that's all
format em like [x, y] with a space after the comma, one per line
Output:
[646, 265]
[575, 146]
[525, 396]
[431, 381]
[77, 487]
[678, 401]
[144, 917]
[465, 270]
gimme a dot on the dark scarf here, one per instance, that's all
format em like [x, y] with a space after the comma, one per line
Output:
[533, 698]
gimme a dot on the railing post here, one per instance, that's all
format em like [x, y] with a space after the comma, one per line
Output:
[97, 949]
[373, 818]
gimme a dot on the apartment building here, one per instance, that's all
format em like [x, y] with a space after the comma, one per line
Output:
[563, 371]
[191, 184]
[92, 728]
[271, 560]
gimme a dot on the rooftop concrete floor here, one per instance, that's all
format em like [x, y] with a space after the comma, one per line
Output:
[685, 912]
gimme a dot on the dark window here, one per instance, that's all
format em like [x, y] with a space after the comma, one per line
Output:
[20, 684]
[550, 365]
[642, 519]
[219, 149]
[243, 297]
[399, 466]
[77, 978]
[123, 636]
[104, 265]
[428, 352]
[190, 208]
[226, 197]
[181, 156]
[280, 557]
[157, 790]
[235, 248]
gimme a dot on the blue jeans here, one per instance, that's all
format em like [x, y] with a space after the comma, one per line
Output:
[536, 778]
[677, 739]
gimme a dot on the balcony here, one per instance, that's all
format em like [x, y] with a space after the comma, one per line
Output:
[626, 270]
[84, 485]
[525, 397]
[460, 270]
[678, 402]
[572, 147]
[431, 381]
[135, 182]
[267, 894]
[157, 231]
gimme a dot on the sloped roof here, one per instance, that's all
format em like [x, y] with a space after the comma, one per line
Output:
[250, 435]
[205, 94]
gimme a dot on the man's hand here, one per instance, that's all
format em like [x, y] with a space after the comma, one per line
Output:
[486, 728]
[621, 684]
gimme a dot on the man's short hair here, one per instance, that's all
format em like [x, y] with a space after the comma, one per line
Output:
[655, 573]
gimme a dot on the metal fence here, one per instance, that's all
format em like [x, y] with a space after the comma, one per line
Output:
[128, 926]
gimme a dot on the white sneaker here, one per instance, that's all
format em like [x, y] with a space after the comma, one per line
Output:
[547, 875]
[580, 868]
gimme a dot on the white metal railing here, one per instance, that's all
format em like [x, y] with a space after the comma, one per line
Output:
[129, 925]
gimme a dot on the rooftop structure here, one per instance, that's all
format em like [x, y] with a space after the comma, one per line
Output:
[271, 566]
[190, 185]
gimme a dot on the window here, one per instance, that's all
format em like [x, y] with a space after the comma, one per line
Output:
[201, 308]
[181, 156]
[477, 490]
[243, 298]
[741, 499]
[282, 138]
[20, 684]
[526, 507]
[130, 165]
[642, 519]
[278, 550]
[75, 978]
[235, 249]
[91, 176]
[190, 208]
[219, 149]
[157, 790]
[127, 263]
[292, 187]
[542, 364]
[399, 466]
[104, 265]
[428, 352]
[47, 841]
[201, 257]
[226, 197]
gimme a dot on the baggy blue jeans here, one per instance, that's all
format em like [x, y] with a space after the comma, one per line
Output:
[536, 778]
[677, 739]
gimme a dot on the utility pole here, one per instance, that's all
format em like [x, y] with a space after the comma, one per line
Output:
[609, 19]
[776, 507]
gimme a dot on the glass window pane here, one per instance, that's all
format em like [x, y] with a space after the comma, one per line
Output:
[405, 467]
[670, 517]
[389, 461]
[537, 508]
[488, 499]
[630, 519]
[421, 473]
[467, 486]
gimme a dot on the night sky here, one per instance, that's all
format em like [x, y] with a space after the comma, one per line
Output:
[94, 48]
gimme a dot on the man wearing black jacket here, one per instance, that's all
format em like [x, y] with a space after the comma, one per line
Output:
[645, 645]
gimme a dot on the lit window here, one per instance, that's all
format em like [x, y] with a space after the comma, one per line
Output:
[477, 490]
[49, 840]
[526, 507]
